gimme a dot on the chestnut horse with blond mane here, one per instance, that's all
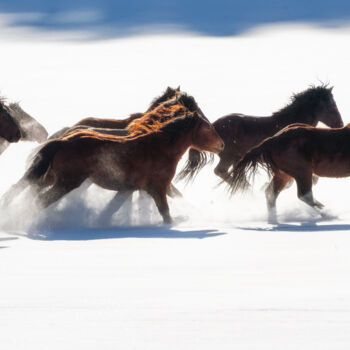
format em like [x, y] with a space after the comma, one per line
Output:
[296, 152]
[140, 161]
[141, 122]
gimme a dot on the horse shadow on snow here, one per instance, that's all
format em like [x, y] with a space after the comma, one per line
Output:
[84, 233]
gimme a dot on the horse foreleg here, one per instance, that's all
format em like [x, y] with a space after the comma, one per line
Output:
[159, 197]
[173, 192]
[114, 205]
[277, 184]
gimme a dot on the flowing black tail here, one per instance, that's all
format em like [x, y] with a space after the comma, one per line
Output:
[240, 176]
[37, 168]
[195, 162]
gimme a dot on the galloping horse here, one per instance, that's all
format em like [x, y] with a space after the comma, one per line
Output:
[171, 98]
[9, 128]
[118, 127]
[241, 132]
[298, 152]
[30, 129]
[125, 164]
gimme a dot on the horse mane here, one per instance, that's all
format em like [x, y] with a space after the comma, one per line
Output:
[188, 101]
[3, 101]
[170, 128]
[15, 105]
[307, 99]
[173, 96]
[167, 94]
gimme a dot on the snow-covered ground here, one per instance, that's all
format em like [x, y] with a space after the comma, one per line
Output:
[220, 278]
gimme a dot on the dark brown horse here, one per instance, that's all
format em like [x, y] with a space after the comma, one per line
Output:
[144, 162]
[9, 128]
[297, 152]
[30, 129]
[241, 132]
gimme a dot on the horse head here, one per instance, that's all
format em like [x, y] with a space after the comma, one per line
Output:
[31, 129]
[327, 111]
[9, 129]
[205, 137]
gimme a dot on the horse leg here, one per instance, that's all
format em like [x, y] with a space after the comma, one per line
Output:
[304, 185]
[222, 168]
[56, 192]
[14, 191]
[279, 181]
[173, 192]
[114, 205]
[159, 197]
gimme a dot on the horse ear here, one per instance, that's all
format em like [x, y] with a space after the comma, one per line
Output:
[331, 88]
[178, 88]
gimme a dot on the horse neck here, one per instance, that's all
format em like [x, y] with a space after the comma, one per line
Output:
[178, 146]
[284, 118]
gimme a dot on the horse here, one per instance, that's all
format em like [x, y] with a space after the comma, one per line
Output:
[105, 125]
[125, 164]
[118, 127]
[30, 129]
[139, 122]
[9, 128]
[241, 132]
[296, 152]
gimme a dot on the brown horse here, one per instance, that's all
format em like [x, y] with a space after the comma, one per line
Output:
[241, 132]
[297, 152]
[144, 162]
[118, 127]
[173, 103]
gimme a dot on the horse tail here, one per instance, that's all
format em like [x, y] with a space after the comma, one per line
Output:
[37, 168]
[239, 176]
[195, 162]
[42, 160]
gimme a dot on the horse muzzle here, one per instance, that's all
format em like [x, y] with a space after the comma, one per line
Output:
[220, 148]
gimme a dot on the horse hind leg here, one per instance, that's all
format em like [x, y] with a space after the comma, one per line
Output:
[279, 181]
[13, 192]
[304, 186]
[56, 192]
[221, 169]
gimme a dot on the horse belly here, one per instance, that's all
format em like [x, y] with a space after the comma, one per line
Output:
[110, 178]
[339, 168]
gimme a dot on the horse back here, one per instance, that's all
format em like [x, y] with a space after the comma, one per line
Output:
[108, 123]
